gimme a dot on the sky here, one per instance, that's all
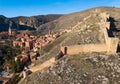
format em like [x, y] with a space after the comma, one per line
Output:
[13, 8]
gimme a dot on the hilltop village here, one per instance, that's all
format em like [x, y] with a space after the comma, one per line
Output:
[30, 46]
[58, 67]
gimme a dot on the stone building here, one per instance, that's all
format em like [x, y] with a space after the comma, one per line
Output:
[33, 57]
[24, 41]
[4, 35]
[23, 58]
[11, 32]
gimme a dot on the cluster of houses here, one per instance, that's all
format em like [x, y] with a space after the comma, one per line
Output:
[31, 45]
[3, 35]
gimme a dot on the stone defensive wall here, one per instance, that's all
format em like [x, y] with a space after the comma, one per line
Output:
[111, 42]
[110, 45]
[43, 66]
[76, 49]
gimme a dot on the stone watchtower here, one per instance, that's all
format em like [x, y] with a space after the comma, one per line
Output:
[10, 30]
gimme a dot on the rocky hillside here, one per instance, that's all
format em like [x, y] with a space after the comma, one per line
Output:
[4, 23]
[87, 30]
[84, 68]
[69, 20]
[23, 23]
[34, 21]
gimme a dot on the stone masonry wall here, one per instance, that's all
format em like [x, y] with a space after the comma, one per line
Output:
[76, 49]
[44, 65]
[111, 42]
[110, 45]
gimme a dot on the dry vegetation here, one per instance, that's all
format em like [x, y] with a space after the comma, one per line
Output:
[85, 68]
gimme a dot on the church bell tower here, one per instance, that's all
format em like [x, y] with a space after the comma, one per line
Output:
[10, 30]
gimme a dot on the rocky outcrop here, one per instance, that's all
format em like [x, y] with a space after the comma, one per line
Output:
[85, 68]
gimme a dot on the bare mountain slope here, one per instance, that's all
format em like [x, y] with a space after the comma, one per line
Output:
[81, 34]
[23, 22]
[35, 21]
[69, 20]
[84, 68]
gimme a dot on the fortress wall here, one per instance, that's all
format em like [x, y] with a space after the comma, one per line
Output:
[44, 65]
[107, 25]
[109, 46]
[62, 49]
[105, 32]
[104, 16]
[76, 25]
[76, 49]
[112, 45]
[111, 42]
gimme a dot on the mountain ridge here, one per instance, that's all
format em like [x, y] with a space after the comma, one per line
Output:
[83, 68]
[24, 22]
[72, 18]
